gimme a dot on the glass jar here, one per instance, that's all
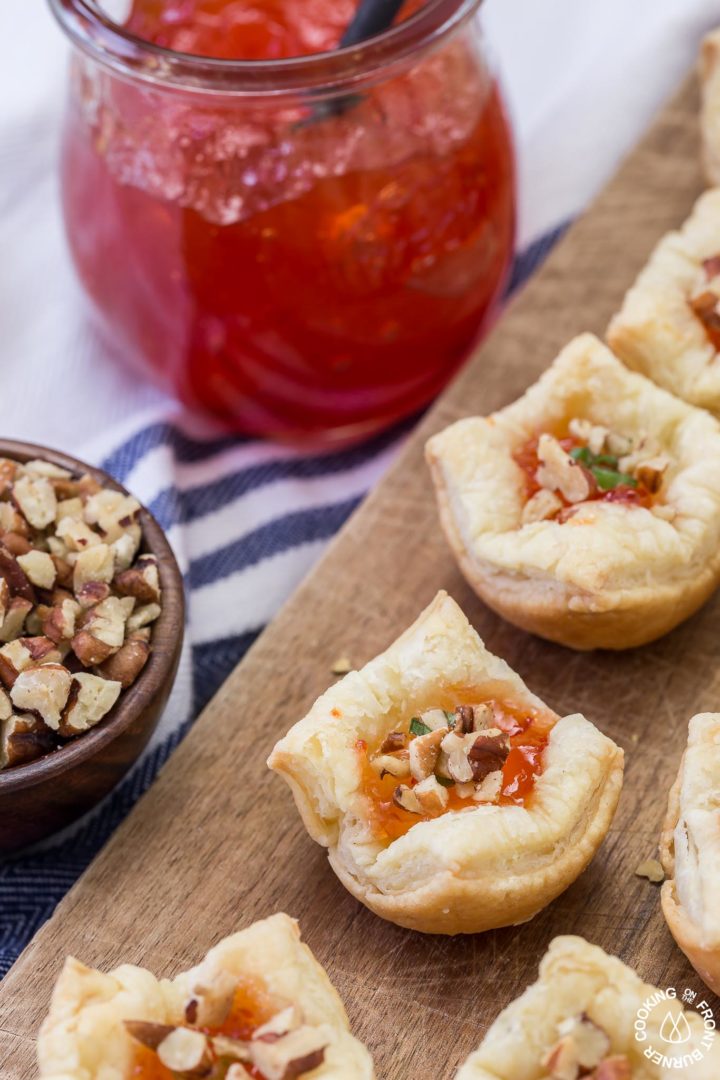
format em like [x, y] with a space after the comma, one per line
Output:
[304, 247]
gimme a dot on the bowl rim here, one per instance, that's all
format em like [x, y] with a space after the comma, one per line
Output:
[159, 667]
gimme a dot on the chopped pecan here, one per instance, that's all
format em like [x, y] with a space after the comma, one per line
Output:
[406, 799]
[143, 582]
[464, 720]
[559, 472]
[43, 690]
[186, 1051]
[40, 467]
[489, 788]
[143, 616]
[396, 740]
[70, 508]
[14, 658]
[395, 764]
[454, 763]
[60, 621]
[90, 651]
[286, 1020]
[23, 739]
[291, 1055]
[92, 593]
[650, 472]
[15, 616]
[112, 512]
[18, 581]
[126, 664]
[147, 1033]
[12, 521]
[94, 564]
[126, 546]
[38, 567]
[35, 497]
[488, 754]
[542, 506]
[432, 796]
[90, 699]
[211, 998]
[424, 751]
[8, 470]
[16, 543]
[76, 535]
[706, 305]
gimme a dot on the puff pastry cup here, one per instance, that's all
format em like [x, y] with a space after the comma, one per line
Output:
[579, 1018]
[710, 105]
[206, 1022]
[450, 798]
[668, 327]
[593, 566]
[690, 851]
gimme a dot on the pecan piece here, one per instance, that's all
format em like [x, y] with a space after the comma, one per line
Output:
[126, 664]
[432, 796]
[43, 690]
[424, 751]
[94, 564]
[707, 308]
[17, 579]
[559, 472]
[35, 497]
[143, 582]
[23, 738]
[15, 616]
[186, 1051]
[90, 699]
[464, 720]
[211, 999]
[396, 740]
[291, 1055]
[37, 566]
[488, 754]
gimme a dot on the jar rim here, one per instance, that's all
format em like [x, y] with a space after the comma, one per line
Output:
[97, 35]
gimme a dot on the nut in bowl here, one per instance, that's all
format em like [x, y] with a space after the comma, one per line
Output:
[91, 606]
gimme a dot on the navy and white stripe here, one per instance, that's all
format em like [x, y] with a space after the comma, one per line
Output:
[247, 520]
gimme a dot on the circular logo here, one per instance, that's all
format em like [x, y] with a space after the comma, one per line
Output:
[668, 1039]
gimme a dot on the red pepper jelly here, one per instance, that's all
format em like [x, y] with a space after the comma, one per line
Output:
[304, 242]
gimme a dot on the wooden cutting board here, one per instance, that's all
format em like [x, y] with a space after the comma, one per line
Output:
[217, 842]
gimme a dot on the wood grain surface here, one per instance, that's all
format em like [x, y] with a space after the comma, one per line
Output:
[217, 842]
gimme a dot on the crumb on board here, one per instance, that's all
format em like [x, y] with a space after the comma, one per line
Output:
[651, 869]
[341, 666]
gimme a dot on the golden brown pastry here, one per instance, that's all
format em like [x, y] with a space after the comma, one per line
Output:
[588, 511]
[450, 798]
[585, 1017]
[669, 326]
[690, 851]
[710, 105]
[212, 1021]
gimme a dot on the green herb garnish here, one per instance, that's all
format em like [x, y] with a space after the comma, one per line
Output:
[444, 781]
[418, 728]
[604, 468]
[451, 718]
[608, 479]
[587, 457]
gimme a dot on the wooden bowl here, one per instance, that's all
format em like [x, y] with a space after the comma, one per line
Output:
[44, 796]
